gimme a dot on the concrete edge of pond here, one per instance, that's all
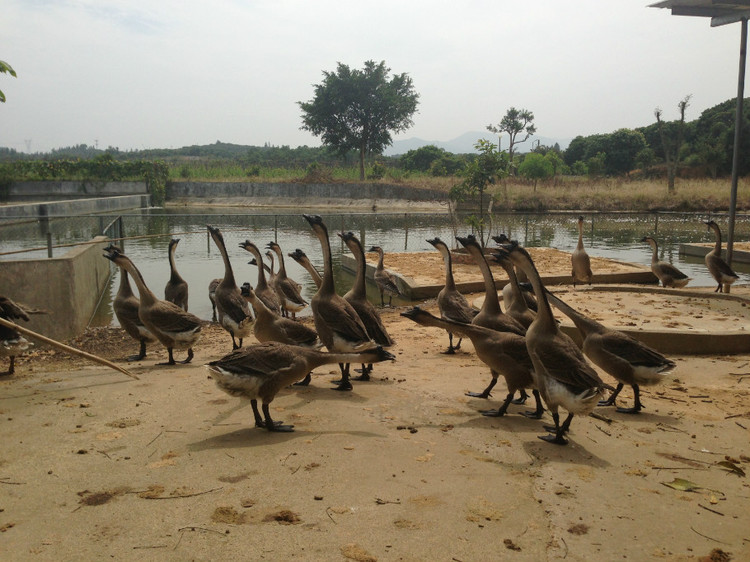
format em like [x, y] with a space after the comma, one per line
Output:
[700, 251]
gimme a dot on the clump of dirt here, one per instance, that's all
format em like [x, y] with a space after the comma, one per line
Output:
[579, 529]
[99, 498]
[227, 514]
[284, 517]
[717, 555]
[353, 551]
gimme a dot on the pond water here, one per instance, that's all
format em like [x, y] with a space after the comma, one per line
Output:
[148, 232]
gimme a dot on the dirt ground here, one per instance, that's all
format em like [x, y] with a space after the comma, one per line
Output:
[96, 465]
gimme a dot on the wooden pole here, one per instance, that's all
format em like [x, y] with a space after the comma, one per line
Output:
[66, 348]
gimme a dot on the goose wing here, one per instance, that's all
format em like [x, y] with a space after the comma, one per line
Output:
[564, 362]
[631, 350]
[168, 317]
[261, 360]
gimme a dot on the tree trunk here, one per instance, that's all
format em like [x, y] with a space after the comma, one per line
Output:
[361, 164]
[671, 173]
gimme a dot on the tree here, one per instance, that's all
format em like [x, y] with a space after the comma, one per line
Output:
[5, 68]
[672, 136]
[536, 167]
[515, 122]
[358, 109]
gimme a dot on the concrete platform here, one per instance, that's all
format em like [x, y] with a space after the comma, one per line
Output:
[739, 255]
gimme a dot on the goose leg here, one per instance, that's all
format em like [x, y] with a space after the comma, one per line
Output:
[189, 357]
[451, 348]
[637, 406]
[611, 400]
[258, 418]
[275, 426]
[501, 410]
[305, 381]
[365, 376]
[521, 397]
[141, 353]
[536, 414]
[382, 301]
[559, 437]
[343, 383]
[11, 367]
[171, 360]
[486, 392]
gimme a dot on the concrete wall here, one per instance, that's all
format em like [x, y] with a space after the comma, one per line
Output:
[53, 190]
[69, 287]
[74, 207]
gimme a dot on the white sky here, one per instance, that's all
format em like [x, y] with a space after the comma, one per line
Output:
[169, 73]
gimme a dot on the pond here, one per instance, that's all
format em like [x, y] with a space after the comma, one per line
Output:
[615, 235]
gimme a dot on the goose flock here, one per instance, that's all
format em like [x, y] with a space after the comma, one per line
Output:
[522, 343]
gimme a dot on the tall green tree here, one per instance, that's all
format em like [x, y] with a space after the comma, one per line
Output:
[356, 109]
[536, 167]
[515, 122]
[672, 136]
[5, 68]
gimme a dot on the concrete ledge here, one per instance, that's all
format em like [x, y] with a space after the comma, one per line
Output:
[33, 211]
[700, 250]
[67, 287]
[53, 190]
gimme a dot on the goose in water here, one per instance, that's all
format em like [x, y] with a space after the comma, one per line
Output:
[453, 305]
[580, 260]
[173, 326]
[233, 310]
[176, 290]
[626, 359]
[263, 290]
[385, 281]
[12, 343]
[357, 297]
[259, 371]
[561, 372]
[338, 325]
[287, 289]
[719, 269]
[505, 353]
[668, 274]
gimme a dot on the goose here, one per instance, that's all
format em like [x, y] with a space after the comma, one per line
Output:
[176, 290]
[668, 274]
[233, 310]
[357, 297]
[580, 260]
[339, 326]
[624, 358]
[453, 305]
[263, 290]
[717, 267]
[174, 327]
[212, 296]
[385, 281]
[287, 289]
[12, 343]
[301, 258]
[259, 371]
[125, 305]
[520, 277]
[517, 306]
[561, 373]
[505, 353]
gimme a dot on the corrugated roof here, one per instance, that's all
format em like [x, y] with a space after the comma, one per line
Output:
[721, 12]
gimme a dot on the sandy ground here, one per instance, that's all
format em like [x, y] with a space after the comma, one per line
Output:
[95, 465]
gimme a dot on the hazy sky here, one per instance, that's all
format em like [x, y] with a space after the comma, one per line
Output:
[171, 73]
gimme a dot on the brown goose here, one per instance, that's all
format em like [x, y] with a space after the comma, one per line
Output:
[668, 274]
[287, 289]
[13, 343]
[338, 324]
[719, 269]
[212, 296]
[624, 358]
[234, 312]
[453, 305]
[357, 297]
[301, 258]
[580, 260]
[174, 327]
[520, 277]
[561, 373]
[125, 305]
[263, 290]
[261, 370]
[176, 290]
[385, 281]
[517, 306]
[504, 353]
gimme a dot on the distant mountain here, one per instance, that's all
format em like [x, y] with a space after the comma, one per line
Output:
[465, 143]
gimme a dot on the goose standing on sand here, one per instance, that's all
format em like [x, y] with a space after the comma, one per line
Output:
[339, 326]
[561, 373]
[453, 305]
[125, 305]
[287, 289]
[357, 297]
[668, 274]
[301, 258]
[176, 290]
[261, 370]
[385, 281]
[719, 269]
[263, 290]
[12, 343]
[234, 311]
[517, 306]
[174, 327]
[580, 260]
[505, 353]
[212, 296]
[624, 358]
